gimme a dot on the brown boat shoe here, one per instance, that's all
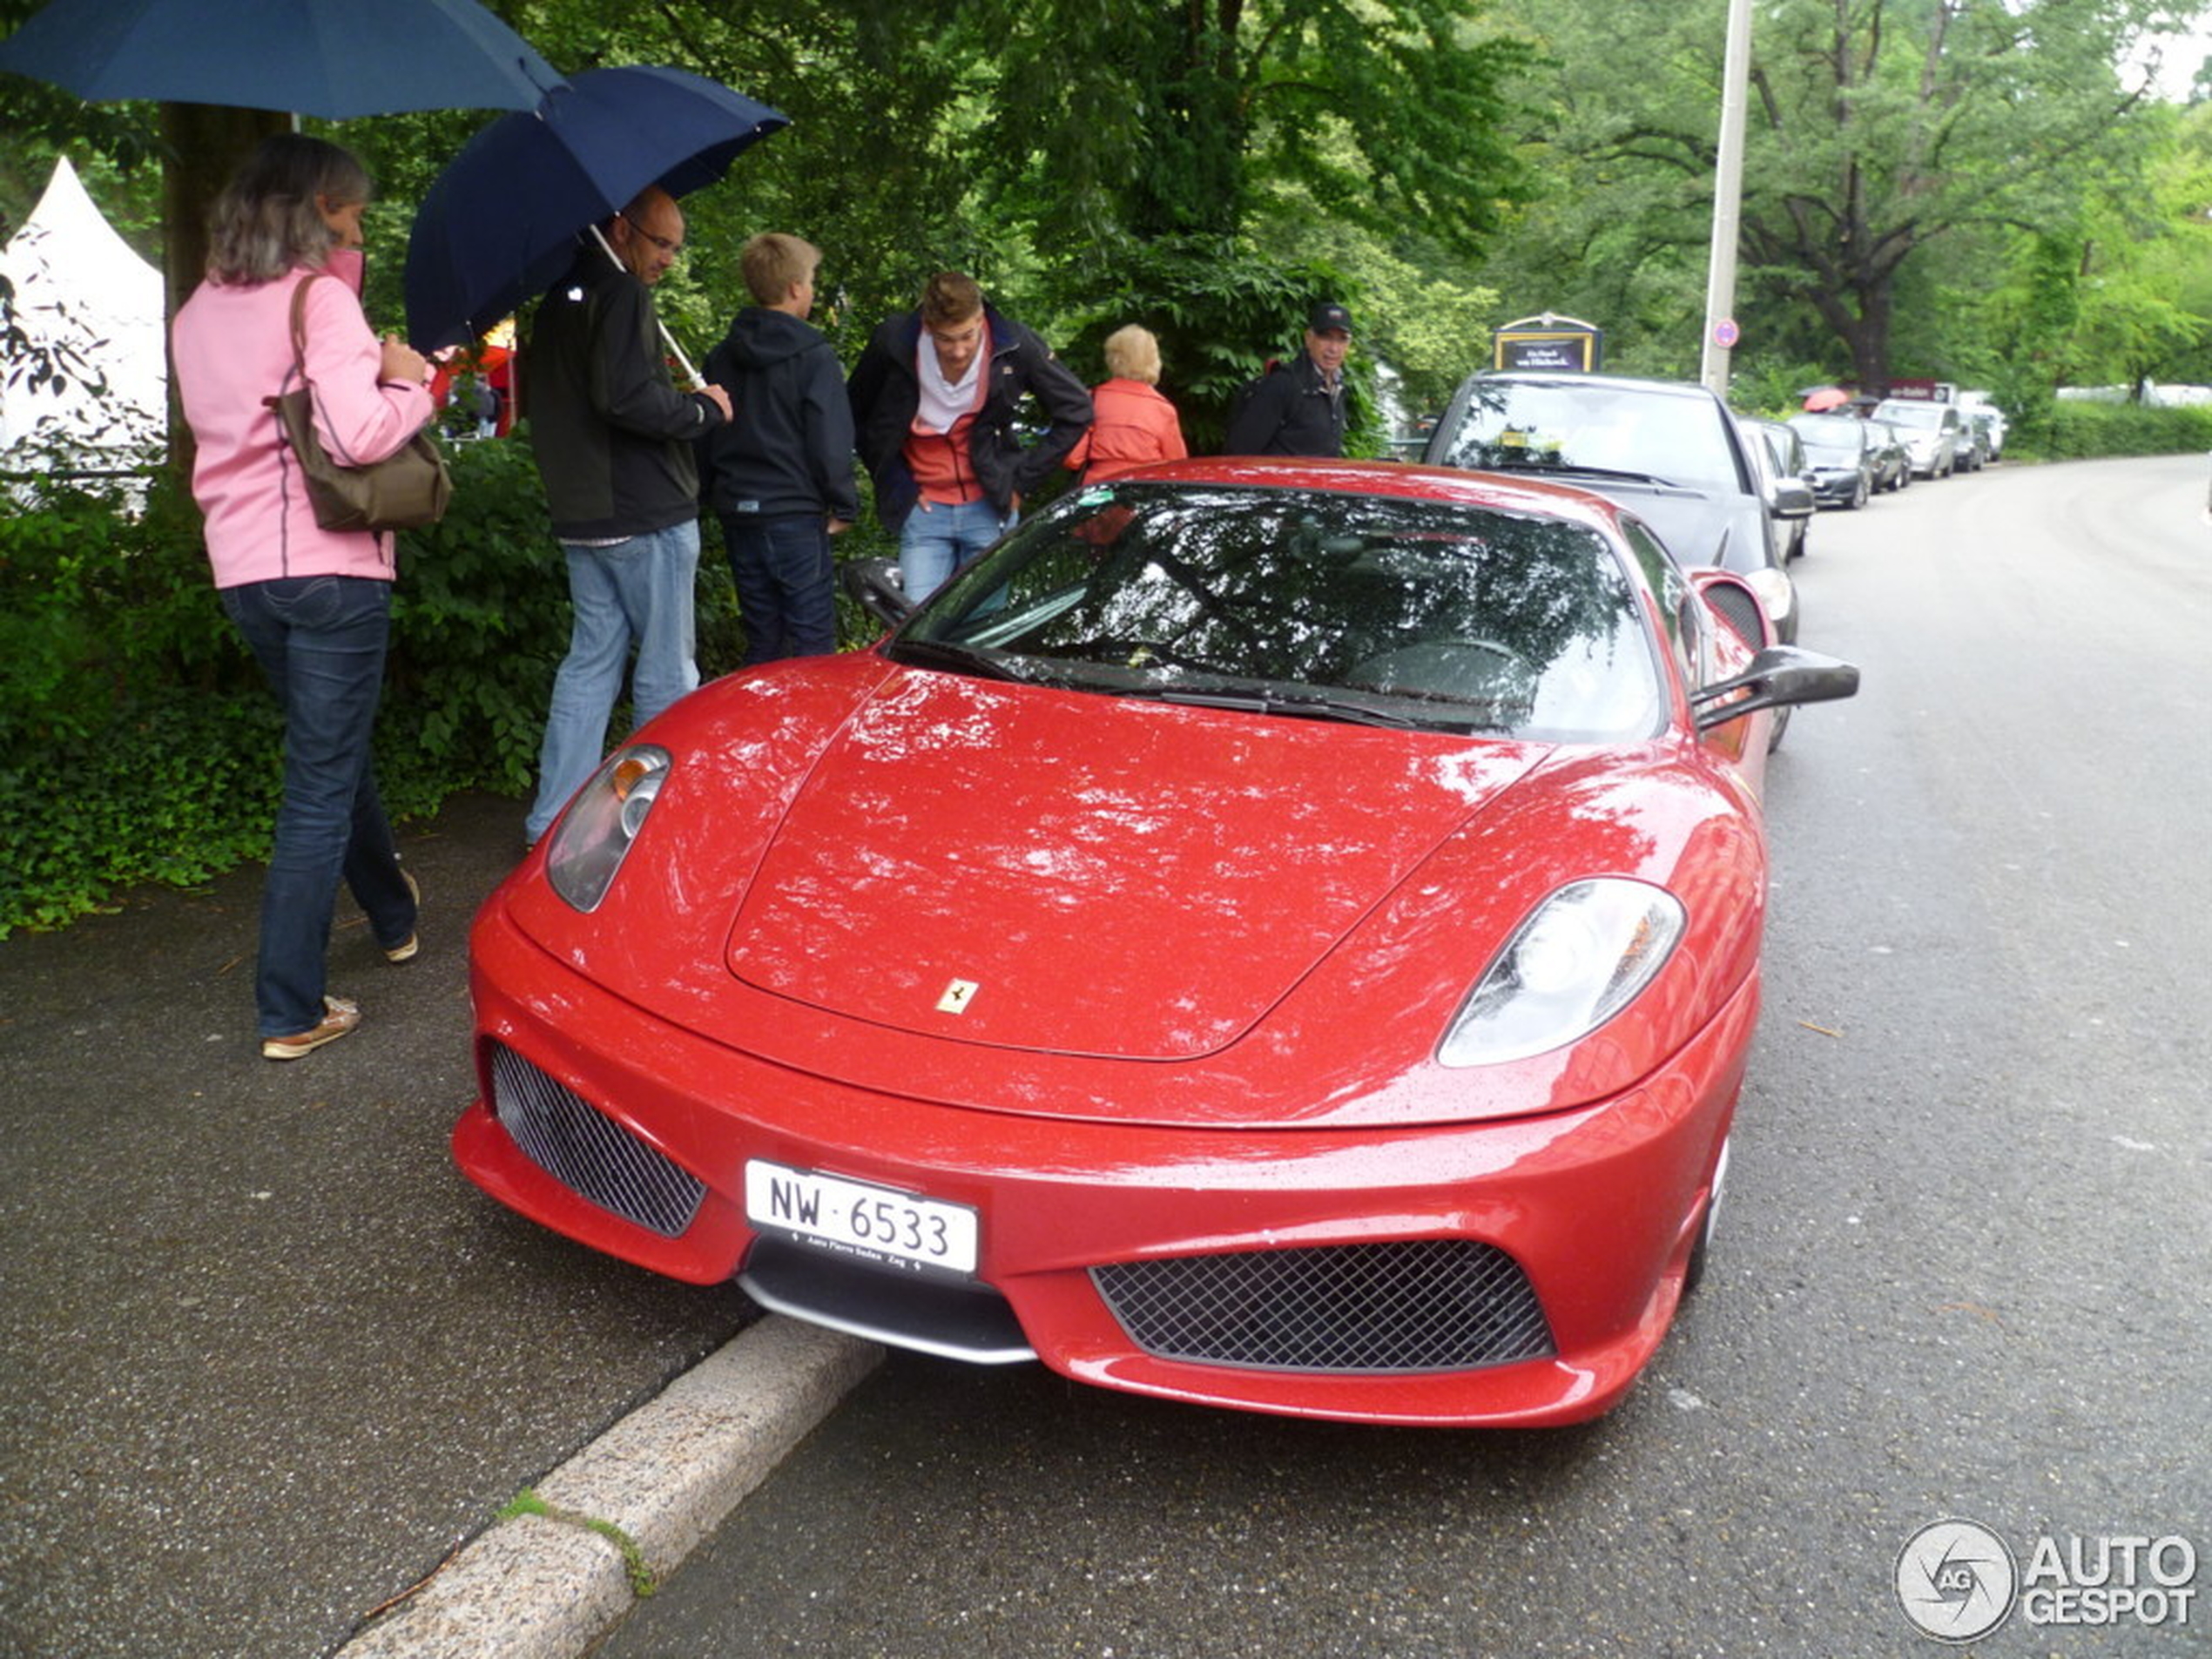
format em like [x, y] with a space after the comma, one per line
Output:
[339, 1016]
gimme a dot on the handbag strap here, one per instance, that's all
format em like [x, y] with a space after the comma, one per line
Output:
[299, 325]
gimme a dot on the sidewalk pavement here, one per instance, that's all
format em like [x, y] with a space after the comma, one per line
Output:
[269, 1361]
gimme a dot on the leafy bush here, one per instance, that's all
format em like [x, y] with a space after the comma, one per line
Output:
[139, 743]
[132, 719]
[480, 621]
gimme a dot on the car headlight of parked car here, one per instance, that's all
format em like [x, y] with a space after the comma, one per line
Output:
[595, 835]
[1774, 592]
[1581, 957]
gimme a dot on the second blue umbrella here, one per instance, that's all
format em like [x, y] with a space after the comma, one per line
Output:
[502, 222]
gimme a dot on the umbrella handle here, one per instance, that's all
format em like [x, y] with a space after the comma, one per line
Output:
[692, 380]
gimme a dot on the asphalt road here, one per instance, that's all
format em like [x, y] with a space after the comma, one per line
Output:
[267, 1359]
[1963, 1272]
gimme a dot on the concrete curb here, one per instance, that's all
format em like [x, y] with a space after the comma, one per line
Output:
[548, 1586]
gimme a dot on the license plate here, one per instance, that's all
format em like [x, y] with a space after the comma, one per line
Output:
[881, 1225]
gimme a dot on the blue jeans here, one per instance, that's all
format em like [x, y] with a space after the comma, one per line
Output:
[937, 539]
[320, 642]
[639, 590]
[786, 590]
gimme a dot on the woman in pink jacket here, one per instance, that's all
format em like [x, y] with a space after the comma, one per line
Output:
[314, 604]
[1132, 423]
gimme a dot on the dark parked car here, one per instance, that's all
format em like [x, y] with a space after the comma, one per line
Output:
[1841, 451]
[1892, 461]
[1670, 452]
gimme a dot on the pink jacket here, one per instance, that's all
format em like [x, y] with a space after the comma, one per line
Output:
[1134, 424]
[233, 349]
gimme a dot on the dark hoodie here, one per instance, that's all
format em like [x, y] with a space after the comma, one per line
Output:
[787, 447]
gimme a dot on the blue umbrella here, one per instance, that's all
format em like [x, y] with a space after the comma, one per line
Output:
[505, 219]
[333, 58]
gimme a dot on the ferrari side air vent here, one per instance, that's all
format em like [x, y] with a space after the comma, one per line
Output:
[587, 1151]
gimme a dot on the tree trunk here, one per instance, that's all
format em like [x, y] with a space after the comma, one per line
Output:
[202, 145]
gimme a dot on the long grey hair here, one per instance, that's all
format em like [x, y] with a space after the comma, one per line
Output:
[269, 217]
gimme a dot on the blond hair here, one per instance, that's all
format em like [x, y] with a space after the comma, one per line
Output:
[1133, 353]
[774, 262]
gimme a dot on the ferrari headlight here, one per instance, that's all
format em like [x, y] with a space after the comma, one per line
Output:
[1579, 960]
[595, 835]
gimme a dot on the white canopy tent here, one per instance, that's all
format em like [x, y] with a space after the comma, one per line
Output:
[93, 310]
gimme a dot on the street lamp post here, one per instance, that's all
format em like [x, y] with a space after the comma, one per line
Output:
[1728, 200]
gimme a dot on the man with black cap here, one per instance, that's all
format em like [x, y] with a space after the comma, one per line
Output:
[1297, 408]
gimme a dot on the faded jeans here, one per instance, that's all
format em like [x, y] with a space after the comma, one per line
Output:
[937, 539]
[321, 643]
[639, 590]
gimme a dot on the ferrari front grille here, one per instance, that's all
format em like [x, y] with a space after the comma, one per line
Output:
[1403, 1305]
[587, 1151]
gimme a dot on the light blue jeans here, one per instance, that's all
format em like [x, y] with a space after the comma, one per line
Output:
[937, 539]
[639, 591]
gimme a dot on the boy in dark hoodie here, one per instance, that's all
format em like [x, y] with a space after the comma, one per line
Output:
[778, 473]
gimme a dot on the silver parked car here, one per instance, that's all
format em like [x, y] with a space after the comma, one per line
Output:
[1669, 451]
[1932, 432]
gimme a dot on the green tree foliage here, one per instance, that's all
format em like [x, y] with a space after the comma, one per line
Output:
[1129, 122]
[1878, 131]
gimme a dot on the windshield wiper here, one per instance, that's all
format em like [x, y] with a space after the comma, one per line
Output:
[965, 660]
[1311, 705]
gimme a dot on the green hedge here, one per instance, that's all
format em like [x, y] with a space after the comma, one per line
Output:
[138, 742]
[2075, 430]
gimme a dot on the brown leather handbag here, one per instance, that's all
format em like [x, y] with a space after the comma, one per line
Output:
[404, 491]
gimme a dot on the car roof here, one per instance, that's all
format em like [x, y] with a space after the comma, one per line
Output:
[1617, 382]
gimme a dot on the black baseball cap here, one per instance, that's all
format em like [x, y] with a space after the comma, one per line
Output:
[1327, 316]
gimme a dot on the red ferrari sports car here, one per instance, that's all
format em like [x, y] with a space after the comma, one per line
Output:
[1282, 935]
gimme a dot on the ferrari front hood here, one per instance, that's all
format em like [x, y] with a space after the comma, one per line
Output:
[1061, 872]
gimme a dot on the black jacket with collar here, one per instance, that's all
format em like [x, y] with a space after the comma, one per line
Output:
[886, 395]
[612, 434]
[1291, 412]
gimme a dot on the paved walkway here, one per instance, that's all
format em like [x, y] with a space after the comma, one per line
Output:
[268, 1360]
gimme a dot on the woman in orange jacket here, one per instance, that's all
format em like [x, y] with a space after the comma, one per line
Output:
[1134, 423]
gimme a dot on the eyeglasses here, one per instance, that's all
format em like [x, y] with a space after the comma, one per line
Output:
[674, 250]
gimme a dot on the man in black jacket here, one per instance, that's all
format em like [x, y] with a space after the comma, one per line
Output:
[779, 474]
[1297, 410]
[613, 440]
[935, 398]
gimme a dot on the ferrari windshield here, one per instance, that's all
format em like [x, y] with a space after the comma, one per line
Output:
[1373, 609]
[1637, 431]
